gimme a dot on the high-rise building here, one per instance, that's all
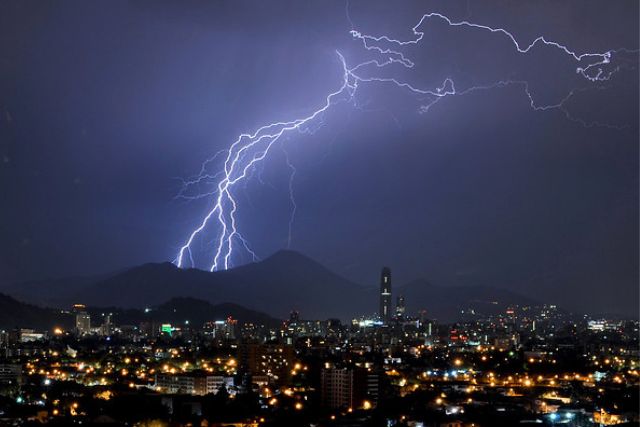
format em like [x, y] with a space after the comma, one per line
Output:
[337, 388]
[274, 361]
[10, 373]
[83, 323]
[83, 319]
[385, 294]
[107, 328]
[400, 307]
[348, 388]
[197, 383]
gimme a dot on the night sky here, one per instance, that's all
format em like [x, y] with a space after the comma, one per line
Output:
[105, 106]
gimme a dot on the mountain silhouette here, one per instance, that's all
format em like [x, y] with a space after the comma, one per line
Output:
[285, 281]
[449, 302]
[15, 314]
[185, 310]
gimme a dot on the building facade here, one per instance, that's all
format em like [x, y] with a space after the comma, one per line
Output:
[195, 383]
[385, 295]
[348, 388]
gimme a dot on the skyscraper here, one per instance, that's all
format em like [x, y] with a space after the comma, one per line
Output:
[83, 323]
[385, 295]
[400, 307]
[83, 319]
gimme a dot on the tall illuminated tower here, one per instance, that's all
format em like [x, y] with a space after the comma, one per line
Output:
[385, 295]
[400, 307]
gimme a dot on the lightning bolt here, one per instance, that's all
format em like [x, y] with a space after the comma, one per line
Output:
[294, 205]
[600, 59]
[250, 149]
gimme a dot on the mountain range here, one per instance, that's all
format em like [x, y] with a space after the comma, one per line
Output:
[15, 314]
[283, 282]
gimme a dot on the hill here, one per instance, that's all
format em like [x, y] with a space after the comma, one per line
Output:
[16, 314]
[287, 280]
[448, 302]
[180, 310]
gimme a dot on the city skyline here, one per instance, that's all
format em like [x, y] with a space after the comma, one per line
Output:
[187, 360]
[285, 213]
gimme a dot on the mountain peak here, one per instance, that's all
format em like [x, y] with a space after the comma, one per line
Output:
[154, 266]
[290, 256]
[284, 281]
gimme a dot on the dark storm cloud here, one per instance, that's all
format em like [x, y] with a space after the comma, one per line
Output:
[104, 104]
